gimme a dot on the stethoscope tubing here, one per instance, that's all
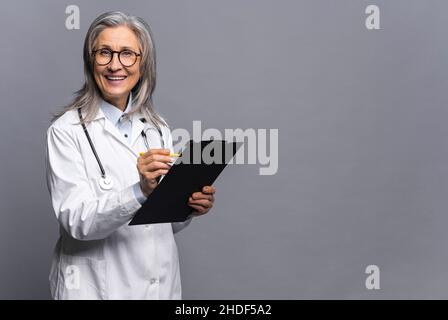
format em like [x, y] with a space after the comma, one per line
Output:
[103, 172]
[104, 180]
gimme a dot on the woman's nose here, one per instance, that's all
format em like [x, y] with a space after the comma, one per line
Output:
[115, 63]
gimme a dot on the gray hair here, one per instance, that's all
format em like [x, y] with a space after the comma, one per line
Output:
[88, 97]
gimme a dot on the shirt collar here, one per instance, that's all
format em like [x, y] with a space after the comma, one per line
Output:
[112, 113]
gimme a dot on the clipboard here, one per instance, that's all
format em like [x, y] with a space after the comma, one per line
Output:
[199, 165]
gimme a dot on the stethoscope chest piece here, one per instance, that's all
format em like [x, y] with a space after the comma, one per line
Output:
[106, 183]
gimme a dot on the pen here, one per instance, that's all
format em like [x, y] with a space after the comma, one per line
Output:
[171, 154]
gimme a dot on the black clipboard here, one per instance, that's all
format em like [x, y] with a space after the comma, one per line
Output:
[199, 165]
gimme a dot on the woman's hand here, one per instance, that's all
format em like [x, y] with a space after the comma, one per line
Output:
[202, 202]
[152, 165]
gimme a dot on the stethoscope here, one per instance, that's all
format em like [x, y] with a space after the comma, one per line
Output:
[105, 182]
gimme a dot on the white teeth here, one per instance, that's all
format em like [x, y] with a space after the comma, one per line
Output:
[115, 78]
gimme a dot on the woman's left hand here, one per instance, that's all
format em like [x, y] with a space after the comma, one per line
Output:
[202, 202]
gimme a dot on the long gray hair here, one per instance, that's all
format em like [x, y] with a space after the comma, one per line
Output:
[89, 96]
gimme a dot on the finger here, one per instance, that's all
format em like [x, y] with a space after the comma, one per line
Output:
[145, 171]
[198, 210]
[153, 166]
[155, 174]
[157, 157]
[203, 203]
[200, 195]
[209, 189]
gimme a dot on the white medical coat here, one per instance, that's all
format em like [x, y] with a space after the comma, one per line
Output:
[98, 256]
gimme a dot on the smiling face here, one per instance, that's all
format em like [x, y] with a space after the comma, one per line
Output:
[114, 80]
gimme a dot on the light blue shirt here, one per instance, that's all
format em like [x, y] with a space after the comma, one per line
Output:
[124, 125]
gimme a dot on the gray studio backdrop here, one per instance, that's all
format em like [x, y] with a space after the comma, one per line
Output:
[363, 141]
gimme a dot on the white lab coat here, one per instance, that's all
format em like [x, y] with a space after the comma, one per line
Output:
[98, 256]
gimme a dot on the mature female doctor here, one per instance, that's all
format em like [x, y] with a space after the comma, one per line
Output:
[97, 180]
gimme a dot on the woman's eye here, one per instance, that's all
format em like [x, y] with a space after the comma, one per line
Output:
[105, 53]
[126, 53]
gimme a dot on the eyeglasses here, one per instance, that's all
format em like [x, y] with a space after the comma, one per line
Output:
[126, 57]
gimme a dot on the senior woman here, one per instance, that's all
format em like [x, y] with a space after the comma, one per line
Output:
[97, 180]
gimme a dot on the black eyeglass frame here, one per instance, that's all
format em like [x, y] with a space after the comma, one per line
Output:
[112, 56]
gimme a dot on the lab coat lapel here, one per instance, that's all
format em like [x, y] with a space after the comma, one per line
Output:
[137, 127]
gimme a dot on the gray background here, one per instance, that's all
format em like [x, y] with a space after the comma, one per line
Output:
[363, 174]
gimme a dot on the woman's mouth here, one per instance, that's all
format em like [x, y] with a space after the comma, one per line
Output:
[115, 80]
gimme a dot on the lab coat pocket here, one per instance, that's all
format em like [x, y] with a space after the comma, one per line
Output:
[82, 278]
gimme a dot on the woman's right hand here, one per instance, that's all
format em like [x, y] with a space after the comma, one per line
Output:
[151, 165]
